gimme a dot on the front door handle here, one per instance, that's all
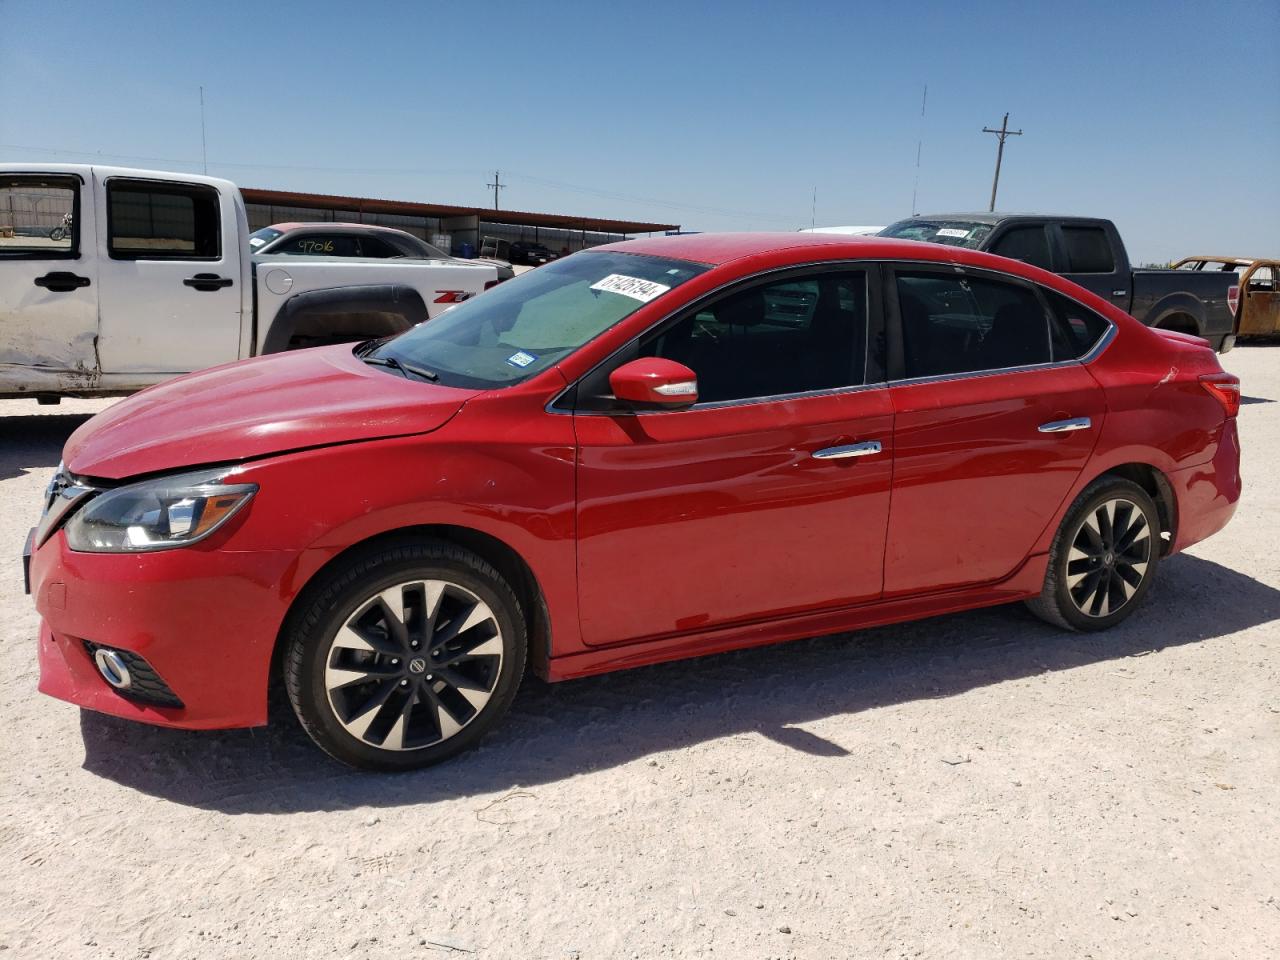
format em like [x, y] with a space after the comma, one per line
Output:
[1066, 426]
[207, 281]
[61, 281]
[850, 450]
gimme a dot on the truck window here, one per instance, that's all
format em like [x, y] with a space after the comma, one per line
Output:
[1088, 250]
[319, 245]
[149, 220]
[966, 325]
[1028, 244]
[37, 217]
[1075, 328]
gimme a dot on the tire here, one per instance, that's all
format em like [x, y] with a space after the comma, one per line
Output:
[406, 656]
[1090, 584]
[57, 233]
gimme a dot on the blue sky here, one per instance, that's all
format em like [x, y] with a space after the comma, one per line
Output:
[719, 116]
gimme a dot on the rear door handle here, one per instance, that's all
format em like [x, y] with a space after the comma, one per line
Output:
[207, 281]
[849, 450]
[61, 281]
[1066, 426]
[1119, 293]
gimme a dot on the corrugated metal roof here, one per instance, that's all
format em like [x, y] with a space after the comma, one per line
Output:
[323, 201]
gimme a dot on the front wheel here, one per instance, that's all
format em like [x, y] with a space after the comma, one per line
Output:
[405, 657]
[1103, 557]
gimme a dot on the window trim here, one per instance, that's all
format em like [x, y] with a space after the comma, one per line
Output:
[893, 318]
[173, 186]
[566, 401]
[76, 182]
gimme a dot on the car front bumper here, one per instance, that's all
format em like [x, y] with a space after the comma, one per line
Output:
[204, 621]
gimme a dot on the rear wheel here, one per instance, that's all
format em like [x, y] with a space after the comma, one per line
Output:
[406, 657]
[1103, 557]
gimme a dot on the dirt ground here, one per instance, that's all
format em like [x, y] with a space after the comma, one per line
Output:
[970, 786]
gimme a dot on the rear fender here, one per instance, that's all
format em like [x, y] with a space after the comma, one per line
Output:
[344, 314]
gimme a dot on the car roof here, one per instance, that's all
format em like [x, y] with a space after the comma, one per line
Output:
[338, 226]
[721, 248]
[986, 216]
[1241, 261]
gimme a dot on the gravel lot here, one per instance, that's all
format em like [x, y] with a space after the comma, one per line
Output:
[969, 786]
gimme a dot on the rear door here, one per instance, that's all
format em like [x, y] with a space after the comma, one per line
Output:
[170, 299]
[768, 497]
[48, 279]
[1259, 300]
[994, 420]
[1087, 256]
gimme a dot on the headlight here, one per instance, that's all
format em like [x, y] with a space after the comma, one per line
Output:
[157, 514]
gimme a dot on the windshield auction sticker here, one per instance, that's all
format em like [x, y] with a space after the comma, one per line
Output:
[633, 287]
[953, 232]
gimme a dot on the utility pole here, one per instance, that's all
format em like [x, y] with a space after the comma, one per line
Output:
[1003, 133]
[204, 150]
[495, 186]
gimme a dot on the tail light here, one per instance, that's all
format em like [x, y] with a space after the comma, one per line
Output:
[1233, 298]
[452, 296]
[1224, 388]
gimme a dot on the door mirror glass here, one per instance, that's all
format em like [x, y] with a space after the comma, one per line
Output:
[655, 382]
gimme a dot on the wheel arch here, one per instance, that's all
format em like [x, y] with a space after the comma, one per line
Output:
[1158, 487]
[504, 558]
[345, 313]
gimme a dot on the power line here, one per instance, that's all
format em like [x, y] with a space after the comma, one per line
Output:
[1003, 133]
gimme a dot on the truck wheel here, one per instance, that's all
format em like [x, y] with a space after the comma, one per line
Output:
[406, 656]
[1103, 557]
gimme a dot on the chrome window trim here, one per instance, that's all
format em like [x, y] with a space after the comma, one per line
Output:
[943, 265]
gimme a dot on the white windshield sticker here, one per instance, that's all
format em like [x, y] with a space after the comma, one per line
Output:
[953, 232]
[521, 359]
[633, 287]
[256, 241]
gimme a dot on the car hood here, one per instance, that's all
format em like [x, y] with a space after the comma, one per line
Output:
[240, 411]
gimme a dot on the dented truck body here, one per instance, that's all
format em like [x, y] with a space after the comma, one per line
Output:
[114, 279]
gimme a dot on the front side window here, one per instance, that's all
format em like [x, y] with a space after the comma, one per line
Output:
[1262, 280]
[1088, 250]
[147, 220]
[523, 326]
[953, 233]
[954, 324]
[1028, 244]
[788, 337]
[37, 217]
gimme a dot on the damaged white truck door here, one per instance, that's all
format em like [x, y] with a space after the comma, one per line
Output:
[49, 293]
[171, 296]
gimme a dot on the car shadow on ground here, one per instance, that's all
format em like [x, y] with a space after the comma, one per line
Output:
[35, 441]
[558, 731]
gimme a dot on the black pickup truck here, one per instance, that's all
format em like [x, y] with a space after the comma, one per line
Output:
[1089, 252]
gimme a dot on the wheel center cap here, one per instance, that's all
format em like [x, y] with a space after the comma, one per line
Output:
[1109, 559]
[417, 665]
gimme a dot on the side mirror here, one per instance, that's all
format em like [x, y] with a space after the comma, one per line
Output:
[655, 382]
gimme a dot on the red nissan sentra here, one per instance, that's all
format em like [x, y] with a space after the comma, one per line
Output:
[652, 450]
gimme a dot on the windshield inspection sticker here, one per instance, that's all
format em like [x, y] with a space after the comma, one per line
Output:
[953, 232]
[633, 287]
[521, 359]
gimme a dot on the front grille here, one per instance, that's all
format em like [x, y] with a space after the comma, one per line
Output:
[147, 686]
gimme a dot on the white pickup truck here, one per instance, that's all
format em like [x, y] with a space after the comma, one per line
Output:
[114, 279]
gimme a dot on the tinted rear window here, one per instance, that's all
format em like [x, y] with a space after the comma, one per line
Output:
[1088, 250]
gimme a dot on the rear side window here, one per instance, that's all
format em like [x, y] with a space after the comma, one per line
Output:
[1088, 250]
[954, 324]
[1028, 244]
[377, 247]
[319, 245]
[38, 217]
[162, 221]
[1075, 328]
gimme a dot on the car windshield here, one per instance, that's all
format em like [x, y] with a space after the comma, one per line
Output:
[260, 238]
[954, 233]
[525, 325]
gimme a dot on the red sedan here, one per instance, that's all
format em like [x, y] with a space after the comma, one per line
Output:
[653, 450]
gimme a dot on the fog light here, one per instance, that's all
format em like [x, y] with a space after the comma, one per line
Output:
[113, 668]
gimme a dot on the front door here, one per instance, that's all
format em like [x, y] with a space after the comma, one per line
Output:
[1260, 301]
[994, 420]
[48, 282]
[170, 300]
[770, 496]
